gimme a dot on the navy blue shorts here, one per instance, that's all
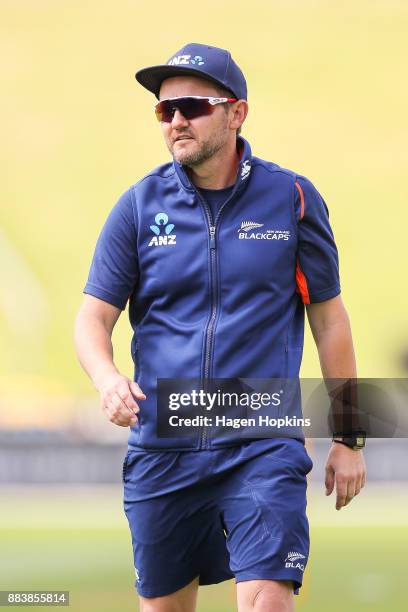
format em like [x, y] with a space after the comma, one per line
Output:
[217, 514]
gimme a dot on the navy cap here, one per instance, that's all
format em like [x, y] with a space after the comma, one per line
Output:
[203, 61]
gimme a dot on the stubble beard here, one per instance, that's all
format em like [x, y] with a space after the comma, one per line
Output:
[205, 150]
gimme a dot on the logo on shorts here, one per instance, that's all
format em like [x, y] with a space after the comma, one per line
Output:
[292, 558]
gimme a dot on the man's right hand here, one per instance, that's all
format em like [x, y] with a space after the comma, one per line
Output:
[117, 394]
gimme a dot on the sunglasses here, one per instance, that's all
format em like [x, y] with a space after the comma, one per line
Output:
[189, 106]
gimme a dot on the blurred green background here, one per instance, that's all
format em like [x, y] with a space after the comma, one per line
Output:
[328, 98]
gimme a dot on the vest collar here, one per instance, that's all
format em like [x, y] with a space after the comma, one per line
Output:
[244, 169]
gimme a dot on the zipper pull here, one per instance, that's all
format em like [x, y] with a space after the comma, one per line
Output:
[212, 237]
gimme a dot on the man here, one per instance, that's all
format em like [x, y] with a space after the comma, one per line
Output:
[218, 252]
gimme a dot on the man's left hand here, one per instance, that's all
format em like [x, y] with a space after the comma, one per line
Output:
[346, 469]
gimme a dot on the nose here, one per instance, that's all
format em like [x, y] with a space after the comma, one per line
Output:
[178, 120]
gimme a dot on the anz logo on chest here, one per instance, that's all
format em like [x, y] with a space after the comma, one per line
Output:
[162, 230]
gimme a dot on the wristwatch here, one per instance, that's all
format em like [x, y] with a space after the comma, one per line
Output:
[354, 440]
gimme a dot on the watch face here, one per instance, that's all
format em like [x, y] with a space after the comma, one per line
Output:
[360, 441]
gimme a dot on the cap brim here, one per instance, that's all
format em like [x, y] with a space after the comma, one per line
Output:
[152, 78]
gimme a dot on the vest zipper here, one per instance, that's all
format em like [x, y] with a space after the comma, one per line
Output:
[209, 334]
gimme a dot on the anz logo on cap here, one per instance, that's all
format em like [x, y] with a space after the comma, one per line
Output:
[183, 60]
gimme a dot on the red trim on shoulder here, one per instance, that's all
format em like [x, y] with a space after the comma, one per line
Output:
[302, 201]
[301, 284]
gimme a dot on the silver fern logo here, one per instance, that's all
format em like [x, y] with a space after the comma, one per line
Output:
[246, 226]
[294, 556]
[295, 560]
[245, 169]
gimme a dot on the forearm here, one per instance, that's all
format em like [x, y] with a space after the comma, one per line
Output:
[94, 348]
[336, 352]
